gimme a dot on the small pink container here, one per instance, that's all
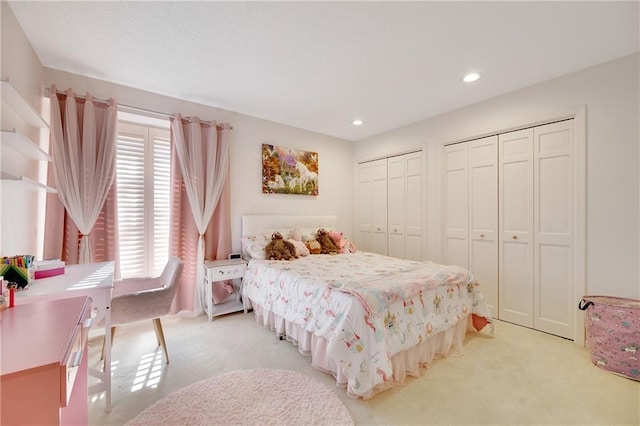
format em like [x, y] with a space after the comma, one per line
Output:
[613, 333]
[46, 273]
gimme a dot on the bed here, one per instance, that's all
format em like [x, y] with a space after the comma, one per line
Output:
[367, 319]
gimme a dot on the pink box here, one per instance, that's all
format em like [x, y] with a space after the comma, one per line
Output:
[613, 334]
[45, 273]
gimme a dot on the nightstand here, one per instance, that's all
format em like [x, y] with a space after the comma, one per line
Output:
[222, 270]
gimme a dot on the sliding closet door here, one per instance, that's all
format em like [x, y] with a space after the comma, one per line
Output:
[554, 298]
[456, 205]
[515, 218]
[483, 217]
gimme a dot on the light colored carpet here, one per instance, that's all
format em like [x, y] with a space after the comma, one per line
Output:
[520, 376]
[247, 397]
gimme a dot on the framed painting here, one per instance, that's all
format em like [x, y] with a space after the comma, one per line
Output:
[289, 171]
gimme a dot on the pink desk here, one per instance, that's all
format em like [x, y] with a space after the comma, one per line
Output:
[44, 362]
[94, 280]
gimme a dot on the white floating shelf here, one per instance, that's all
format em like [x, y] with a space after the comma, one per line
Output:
[23, 180]
[15, 101]
[23, 144]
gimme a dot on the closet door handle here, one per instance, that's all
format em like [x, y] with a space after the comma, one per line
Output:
[515, 237]
[481, 235]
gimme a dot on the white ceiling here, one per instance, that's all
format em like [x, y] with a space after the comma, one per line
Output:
[319, 65]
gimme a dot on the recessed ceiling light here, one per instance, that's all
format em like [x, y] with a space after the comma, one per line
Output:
[473, 76]
[357, 122]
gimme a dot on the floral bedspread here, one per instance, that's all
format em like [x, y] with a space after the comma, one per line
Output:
[386, 317]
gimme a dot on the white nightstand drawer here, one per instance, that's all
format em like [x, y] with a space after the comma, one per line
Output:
[219, 270]
[228, 272]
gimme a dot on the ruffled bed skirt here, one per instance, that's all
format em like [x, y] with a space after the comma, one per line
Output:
[411, 362]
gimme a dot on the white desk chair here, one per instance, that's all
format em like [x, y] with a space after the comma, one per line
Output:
[136, 299]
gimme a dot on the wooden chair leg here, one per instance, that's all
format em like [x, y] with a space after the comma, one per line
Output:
[157, 325]
[104, 363]
[113, 333]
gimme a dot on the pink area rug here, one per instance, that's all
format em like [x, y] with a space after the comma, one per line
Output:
[244, 397]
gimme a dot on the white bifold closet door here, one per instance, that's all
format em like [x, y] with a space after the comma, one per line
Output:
[483, 217]
[536, 199]
[389, 206]
[404, 206]
[372, 206]
[456, 205]
[553, 198]
[470, 212]
[516, 227]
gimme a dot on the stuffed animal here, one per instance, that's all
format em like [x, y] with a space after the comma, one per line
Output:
[337, 238]
[348, 246]
[279, 249]
[296, 234]
[313, 246]
[343, 244]
[300, 247]
[326, 242]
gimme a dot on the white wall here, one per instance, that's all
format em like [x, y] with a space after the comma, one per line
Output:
[21, 229]
[21, 210]
[334, 155]
[610, 92]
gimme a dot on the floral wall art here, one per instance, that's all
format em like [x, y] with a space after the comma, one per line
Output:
[289, 171]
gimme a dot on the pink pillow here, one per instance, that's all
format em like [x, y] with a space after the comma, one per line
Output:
[301, 248]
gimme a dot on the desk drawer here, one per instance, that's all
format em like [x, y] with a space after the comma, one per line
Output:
[70, 366]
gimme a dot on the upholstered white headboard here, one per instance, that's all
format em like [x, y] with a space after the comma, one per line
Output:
[254, 224]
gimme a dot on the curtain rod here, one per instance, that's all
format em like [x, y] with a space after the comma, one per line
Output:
[133, 109]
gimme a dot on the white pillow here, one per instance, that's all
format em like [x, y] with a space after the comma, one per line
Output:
[254, 245]
[308, 233]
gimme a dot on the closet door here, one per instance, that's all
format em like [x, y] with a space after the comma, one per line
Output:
[365, 206]
[379, 206]
[483, 217]
[372, 206]
[413, 217]
[553, 224]
[456, 205]
[404, 185]
[396, 205]
[515, 217]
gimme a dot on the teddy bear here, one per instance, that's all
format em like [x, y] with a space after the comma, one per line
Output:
[326, 242]
[279, 249]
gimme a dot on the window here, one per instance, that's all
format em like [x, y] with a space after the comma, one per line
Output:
[143, 184]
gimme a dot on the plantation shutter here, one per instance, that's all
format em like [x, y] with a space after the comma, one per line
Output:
[161, 197]
[142, 176]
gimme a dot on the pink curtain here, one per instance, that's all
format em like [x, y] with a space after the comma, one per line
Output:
[209, 140]
[83, 149]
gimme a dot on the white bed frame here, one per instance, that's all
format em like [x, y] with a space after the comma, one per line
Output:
[257, 223]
